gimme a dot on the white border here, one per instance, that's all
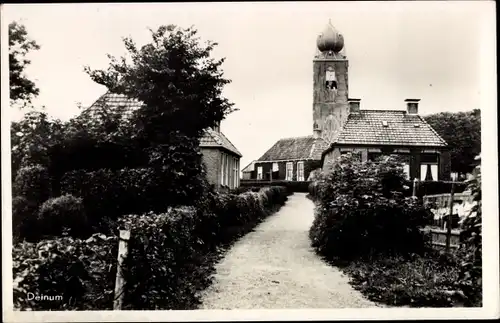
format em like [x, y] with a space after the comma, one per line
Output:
[490, 228]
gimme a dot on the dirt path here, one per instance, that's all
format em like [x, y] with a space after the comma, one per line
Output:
[274, 267]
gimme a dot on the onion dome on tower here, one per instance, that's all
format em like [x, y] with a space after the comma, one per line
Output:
[330, 42]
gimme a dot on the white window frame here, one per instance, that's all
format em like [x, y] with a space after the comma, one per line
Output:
[300, 171]
[289, 171]
[259, 172]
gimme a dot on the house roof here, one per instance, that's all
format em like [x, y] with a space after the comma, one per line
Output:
[249, 168]
[211, 138]
[304, 148]
[215, 139]
[388, 127]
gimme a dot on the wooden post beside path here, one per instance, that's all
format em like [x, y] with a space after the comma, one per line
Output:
[450, 217]
[120, 280]
[415, 182]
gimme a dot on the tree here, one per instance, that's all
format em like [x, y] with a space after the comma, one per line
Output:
[22, 89]
[31, 139]
[462, 132]
[176, 79]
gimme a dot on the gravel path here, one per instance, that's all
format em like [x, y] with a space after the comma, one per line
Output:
[274, 267]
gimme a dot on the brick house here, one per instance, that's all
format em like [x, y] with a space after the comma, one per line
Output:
[340, 126]
[220, 156]
[292, 159]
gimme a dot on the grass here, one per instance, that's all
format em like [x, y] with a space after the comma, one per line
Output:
[429, 280]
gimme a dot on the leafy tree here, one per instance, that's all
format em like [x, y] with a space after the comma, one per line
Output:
[176, 79]
[462, 132]
[22, 89]
[31, 139]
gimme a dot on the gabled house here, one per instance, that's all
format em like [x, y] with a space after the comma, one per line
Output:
[291, 159]
[340, 126]
[220, 157]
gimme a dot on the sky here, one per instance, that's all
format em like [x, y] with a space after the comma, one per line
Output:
[396, 50]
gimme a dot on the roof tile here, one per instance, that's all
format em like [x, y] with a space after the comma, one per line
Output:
[306, 147]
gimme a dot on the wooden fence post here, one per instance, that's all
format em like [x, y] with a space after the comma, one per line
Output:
[120, 280]
[450, 217]
[415, 181]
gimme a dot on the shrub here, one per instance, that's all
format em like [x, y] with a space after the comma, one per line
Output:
[171, 254]
[24, 219]
[108, 193]
[362, 211]
[61, 215]
[81, 271]
[291, 186]
[33, 182]
[438, 187]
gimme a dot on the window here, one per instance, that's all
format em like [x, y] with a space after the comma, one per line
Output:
[275, 167]
[406, 170]
[300, 171]
[223, 168]
[289, 171]
[429, 167]
[235, 173]
[259, 172]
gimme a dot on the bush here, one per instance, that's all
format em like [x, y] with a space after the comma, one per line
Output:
[33, 182]
[438, 187]
[362, 211]
[291, 186]
[24, 219]
[63, 215]
[172, 254]
[81, 271]
[108, 193]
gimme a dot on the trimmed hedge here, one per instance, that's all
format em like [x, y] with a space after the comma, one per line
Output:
[438, 187]
[171, 256]
[33, 182]
[109, 193]
[63, 215]
[83, 272]
[24, 219]
[291, 186]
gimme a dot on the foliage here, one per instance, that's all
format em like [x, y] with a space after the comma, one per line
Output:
[176, 79]
[416, 281]
[438, 187]
[63, 215]
[171, 254]
[361, 207]
[112, 193]
[81, 271]
[462, 132]
[32, 138]
[22, 89]
[24, 219]
[292, 186]
[33, 182]
[471, 251]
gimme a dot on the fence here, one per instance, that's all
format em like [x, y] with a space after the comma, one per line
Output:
[438, 237]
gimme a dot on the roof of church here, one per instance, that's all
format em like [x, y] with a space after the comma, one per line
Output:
[304, 148]
[388, 127]
[211, 138]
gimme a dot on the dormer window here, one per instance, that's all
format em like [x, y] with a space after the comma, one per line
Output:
[416, 125]
[385, 124]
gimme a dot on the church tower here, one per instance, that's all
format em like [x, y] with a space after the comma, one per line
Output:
[330, 84]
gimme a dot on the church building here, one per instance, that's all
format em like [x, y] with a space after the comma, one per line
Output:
[341, 126]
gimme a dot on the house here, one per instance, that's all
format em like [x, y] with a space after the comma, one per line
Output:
[247, 171]
[340, 126]
[291, 159]
[220, 157]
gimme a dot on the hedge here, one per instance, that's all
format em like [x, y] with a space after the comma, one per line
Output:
[292, 186]
[438, 187]
[171, 256]
[83, 272]
[112, 193]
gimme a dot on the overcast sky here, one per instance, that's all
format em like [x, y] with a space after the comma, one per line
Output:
[396, 50]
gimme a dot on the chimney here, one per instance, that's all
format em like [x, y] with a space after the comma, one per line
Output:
[353, 105]
[412, 106]
[217, 126]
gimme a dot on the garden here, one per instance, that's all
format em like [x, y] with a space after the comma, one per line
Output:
[366, 208]
[76, 184]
